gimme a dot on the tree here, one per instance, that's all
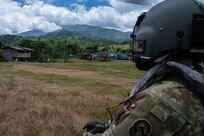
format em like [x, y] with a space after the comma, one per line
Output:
[91, 49]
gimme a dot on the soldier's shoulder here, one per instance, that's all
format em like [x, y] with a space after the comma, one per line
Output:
[176, 97]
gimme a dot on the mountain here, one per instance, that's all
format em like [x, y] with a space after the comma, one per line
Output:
[80, 33]
[7, 39]
[98, 32]
[60, 34]
[76, 28]
[76, 37]
[32, 33]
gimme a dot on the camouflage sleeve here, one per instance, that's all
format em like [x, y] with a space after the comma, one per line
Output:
[167, 108]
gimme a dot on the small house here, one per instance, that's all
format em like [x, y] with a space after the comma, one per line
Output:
[16, 53]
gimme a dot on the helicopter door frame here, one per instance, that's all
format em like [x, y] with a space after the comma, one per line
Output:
[197, 41]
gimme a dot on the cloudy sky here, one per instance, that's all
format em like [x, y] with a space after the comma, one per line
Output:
[48, 15]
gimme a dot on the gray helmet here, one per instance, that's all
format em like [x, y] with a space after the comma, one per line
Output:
[172, 25]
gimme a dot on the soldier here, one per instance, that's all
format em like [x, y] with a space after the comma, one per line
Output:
[168, 100]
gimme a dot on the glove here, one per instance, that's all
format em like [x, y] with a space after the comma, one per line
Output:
[96, 127]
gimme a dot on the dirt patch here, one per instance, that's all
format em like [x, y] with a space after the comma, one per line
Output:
[124, 82]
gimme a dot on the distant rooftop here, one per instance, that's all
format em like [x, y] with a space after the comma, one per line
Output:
[18, 48]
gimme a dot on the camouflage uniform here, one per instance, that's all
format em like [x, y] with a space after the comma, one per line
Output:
[168, 107]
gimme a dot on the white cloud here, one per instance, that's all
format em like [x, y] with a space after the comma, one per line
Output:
[110, 18]
[31, 1]
[46, 17]
[126, 7]
[38, 15]
[15, 18]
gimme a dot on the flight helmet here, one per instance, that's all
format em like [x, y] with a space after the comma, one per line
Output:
[168, 27]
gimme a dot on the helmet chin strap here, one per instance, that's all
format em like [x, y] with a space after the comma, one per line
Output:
[162, 58]
[196, 63]
[167, 57]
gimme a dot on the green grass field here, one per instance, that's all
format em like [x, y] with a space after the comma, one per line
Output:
[118, 68]
[43, 99]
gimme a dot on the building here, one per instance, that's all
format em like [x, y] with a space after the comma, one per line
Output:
[17, 53]
[104, 56]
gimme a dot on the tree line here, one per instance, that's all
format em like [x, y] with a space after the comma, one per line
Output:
[55, 50]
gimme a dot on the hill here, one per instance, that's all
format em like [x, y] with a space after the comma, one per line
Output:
[61, 35]
[32, 33]
[98, 32]
[80, 32]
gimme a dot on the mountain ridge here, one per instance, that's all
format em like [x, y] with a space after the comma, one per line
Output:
[99, 32]
[86, 31]
[32, 33]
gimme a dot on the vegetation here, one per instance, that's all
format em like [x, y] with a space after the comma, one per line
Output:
[51, 50]
[55, 49]
[117, 68]
[40, 99]
[94, 33]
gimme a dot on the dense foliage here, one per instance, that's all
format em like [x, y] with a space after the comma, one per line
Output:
[51, 50]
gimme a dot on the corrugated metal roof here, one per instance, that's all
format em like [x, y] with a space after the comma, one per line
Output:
[18, 48]
[27, 49]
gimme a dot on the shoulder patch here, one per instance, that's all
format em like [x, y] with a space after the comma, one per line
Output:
[160, 113]
[140, 127]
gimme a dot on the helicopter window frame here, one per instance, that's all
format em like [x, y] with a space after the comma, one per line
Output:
[197, 40]
[140, 18]
[138, 22]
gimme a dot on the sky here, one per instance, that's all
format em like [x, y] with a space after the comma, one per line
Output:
[49, 15]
